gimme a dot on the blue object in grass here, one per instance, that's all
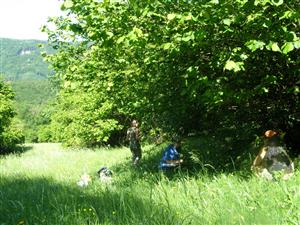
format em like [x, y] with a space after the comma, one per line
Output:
[170, 153]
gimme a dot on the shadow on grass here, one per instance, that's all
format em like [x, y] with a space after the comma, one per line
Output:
[43, 201]
[149, 165]
[213, 156]
[201, 156]
[19, 149]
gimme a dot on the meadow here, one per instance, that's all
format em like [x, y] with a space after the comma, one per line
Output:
[39, 186]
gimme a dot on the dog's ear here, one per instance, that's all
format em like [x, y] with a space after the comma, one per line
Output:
[108, 172]
[101, 169]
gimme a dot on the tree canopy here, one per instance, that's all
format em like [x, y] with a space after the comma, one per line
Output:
[201, 65]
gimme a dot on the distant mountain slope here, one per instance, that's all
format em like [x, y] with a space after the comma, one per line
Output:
[21, 60]
[22, 65]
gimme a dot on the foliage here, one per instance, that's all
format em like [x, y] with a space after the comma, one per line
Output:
[9, 135]
[220, 66]
[32, 99]
[81, 120]
[6, 110]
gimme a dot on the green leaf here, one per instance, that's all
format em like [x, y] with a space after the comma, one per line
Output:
[73, 68]
[253, 45]
[243, 56]
[109, 34]
[235, 66]
[167, 46]
[273, 46]
[230, 65]
[138, 31]
[188, 36]
[287, 47]
[132, 36]
[261, 2]
[171, 16]
[214, 2]
[266, 90]
[227, 22]
[68, 4]
[297, 44]
[292, 36]
[277, 2]
[287, 14]
[188, 17]
[120, 39]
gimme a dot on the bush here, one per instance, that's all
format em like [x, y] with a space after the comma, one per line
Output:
[10, 132]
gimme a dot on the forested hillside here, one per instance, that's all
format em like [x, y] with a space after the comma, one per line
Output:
[21, 59]
[32, 103]
[23, 66]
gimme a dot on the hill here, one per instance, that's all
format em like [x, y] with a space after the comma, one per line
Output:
[22, 60]
[22, 65]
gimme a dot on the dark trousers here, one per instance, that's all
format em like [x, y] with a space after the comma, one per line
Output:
[136, 152]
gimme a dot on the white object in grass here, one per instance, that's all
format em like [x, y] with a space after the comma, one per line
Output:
[84, 180]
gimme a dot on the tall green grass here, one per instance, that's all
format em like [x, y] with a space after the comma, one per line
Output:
[39, 186]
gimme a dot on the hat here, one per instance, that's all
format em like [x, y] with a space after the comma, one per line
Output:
[270, 133]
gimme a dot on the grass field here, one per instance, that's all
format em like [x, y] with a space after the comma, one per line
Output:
[39, 186]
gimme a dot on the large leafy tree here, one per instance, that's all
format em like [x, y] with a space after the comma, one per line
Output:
[6, 110]
[9, 135]
[194, 64]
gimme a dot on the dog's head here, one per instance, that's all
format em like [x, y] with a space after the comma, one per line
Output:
[104, 171]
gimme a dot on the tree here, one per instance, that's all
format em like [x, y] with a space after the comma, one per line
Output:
[195, 64]
[9, 135]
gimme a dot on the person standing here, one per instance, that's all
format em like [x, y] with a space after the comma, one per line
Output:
[134, 136]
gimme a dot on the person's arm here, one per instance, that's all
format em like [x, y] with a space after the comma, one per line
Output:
[127, 135]
[138, 134]
[257, 163]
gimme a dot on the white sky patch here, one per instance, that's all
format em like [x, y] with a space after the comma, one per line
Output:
[22, 19]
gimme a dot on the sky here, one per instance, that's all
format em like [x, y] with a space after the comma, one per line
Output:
[22, 19]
